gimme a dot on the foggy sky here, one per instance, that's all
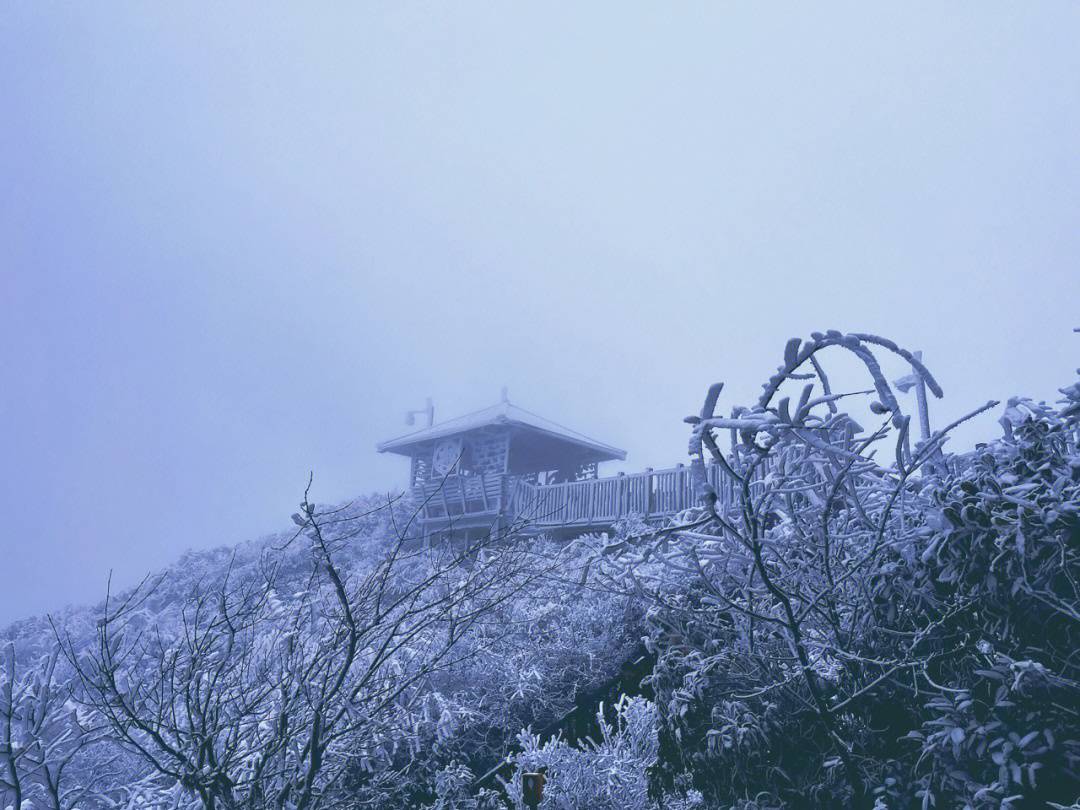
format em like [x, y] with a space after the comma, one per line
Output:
[237, 243]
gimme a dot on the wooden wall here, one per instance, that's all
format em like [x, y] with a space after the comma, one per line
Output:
[484, 451]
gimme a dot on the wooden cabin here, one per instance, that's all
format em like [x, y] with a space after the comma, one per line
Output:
[504, 467]
[476, 472]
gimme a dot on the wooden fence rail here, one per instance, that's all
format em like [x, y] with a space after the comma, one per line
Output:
[653, 494]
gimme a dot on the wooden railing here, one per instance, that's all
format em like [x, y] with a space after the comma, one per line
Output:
[456, 495]
[651, 494]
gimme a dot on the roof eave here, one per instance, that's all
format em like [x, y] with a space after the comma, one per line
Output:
[403, 444]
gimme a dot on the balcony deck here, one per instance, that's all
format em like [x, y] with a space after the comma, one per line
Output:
[651, 495]
[594, 504]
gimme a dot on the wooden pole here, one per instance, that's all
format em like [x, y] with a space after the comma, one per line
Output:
[532, 789]
[920, 395]
[648, 491]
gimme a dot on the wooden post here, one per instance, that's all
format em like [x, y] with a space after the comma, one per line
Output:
[920, 395]
[592, 495]
[445, 502]
[647, 479]
[532, 789]
[905, 384]
[680, 489]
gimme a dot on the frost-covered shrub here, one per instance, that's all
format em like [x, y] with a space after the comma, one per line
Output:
[898, 631]
[533, 656]
[454, 791]
[525, 660]
[608, 773]
[1000, 587]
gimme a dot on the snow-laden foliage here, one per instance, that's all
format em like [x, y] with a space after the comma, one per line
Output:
[260, 698]
[850, 631]
[204, 653]
[610, 772]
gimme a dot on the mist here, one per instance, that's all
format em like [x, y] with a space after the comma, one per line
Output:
[239, 242]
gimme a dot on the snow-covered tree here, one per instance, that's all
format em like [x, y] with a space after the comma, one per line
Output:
[40, 734]
[258, 698]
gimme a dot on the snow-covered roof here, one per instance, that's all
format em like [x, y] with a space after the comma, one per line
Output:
[501, 414]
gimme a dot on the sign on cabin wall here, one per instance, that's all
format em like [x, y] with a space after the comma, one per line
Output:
[478, 454]
[446, 456]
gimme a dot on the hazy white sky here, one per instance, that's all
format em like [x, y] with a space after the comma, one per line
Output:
[237, 243]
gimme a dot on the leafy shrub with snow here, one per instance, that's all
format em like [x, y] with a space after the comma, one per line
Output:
[998, 587]
[608, 773]
[849, 633]
[535, 655]
[520, 655]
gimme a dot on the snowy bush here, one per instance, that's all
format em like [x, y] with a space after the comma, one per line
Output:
[608, 773]
[850, 632]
